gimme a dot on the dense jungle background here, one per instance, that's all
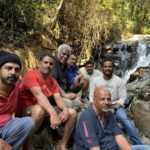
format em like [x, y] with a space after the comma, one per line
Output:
[31, 27]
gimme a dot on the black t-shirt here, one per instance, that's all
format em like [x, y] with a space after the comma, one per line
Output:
[59, 72]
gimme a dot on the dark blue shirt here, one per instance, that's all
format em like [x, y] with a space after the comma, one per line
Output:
[90, 133]
[71, 75]
[59, 72]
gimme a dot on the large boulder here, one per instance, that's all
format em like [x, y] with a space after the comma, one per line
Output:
[141, 112]
[140, 108]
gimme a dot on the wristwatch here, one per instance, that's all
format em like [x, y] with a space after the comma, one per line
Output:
[115, 109]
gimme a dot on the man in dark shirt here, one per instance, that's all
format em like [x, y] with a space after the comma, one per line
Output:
[59, 72]
[97, 127]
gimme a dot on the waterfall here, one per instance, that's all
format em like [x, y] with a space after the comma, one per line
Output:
[143, 59]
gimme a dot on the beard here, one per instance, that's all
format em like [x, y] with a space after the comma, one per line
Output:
[108, 74]
[10, 80]
[105, 108]
[45, 71]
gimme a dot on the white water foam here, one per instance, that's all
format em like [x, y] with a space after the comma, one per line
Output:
[143, 60]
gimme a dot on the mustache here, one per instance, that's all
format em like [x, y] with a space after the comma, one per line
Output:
[12, 77]
[46, 68]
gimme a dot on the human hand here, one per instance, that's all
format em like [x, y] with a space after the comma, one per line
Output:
[54, 120]
[64, 115]
[112, 110]
[4, 145]
[70, 96]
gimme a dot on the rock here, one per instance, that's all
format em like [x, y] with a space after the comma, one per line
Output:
[141, 111]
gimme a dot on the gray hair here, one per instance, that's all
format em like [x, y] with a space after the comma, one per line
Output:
[64, 47]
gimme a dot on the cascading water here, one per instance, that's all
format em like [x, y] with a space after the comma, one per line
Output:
[143, 52]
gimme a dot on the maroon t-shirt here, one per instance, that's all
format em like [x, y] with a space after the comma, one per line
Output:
[8, 105]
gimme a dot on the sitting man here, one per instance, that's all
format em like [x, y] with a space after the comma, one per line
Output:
[118, 96]
[59, 72]
[38, 92]
[75, 80]
[97, 128]
[13, 131]
[89, 72]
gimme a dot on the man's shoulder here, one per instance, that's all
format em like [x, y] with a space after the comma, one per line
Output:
[88, 114]
[98, 78]
[97, 72]
[76, 67]
[117, 78]
[31, 72]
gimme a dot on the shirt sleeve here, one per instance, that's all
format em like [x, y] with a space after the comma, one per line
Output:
[30, 80]
[122, 93]
[88, 133]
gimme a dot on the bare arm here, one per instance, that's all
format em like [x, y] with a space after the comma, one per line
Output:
[4, 145]
[44, 103]
[67, 95]
[95, 148]
[60, 103]
[122, 142]
[42, 100]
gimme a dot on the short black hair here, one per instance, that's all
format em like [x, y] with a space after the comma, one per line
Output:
[89, 62]
[44, 55]
[107, 59]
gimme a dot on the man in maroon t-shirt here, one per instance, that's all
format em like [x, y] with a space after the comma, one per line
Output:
[37, 93]
[13, 131]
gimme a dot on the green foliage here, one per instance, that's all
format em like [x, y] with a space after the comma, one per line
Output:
[84, 24]
[18, 20]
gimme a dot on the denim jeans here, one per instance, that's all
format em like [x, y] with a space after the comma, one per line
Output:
[128, 126]
[140, 147]
[16, 131]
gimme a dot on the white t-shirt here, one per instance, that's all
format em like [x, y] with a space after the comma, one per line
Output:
[115, 85]
[96, 73]
[90, 76]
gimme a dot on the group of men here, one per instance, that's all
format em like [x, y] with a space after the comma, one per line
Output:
[56, 90]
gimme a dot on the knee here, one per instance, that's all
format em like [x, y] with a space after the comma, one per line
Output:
[122, 116]
[28, 124]
[37, 113]
[73, 114]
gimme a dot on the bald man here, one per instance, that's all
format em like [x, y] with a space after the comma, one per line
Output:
[97, 128]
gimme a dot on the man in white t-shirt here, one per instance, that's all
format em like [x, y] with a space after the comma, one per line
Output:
[118, 95]
[89, 71]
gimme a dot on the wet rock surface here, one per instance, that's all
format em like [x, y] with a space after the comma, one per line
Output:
[140, 108]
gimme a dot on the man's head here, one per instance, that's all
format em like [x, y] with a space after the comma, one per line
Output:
[107, 67]
[63, 53]
[45, 64]
[102, 99]
[10, 67]
[89, 66]
[72, 60]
